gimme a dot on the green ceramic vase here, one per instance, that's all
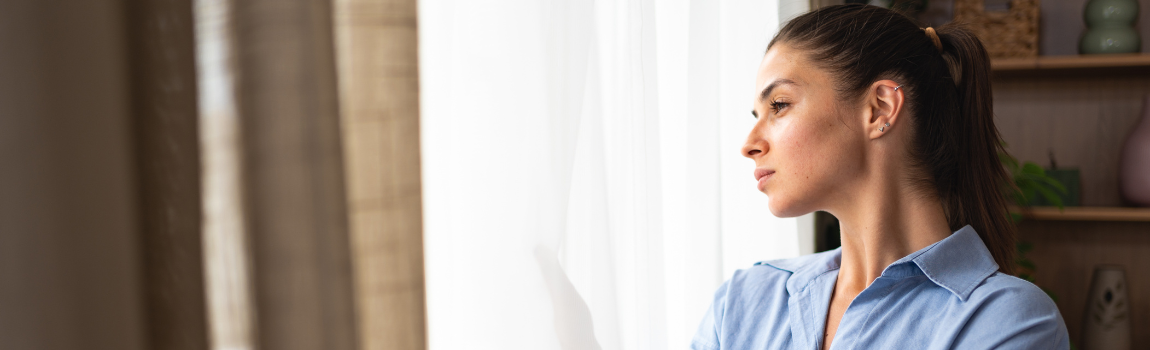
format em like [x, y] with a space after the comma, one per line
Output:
[1110, 27]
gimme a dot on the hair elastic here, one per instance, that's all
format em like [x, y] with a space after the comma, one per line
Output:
[930, 33]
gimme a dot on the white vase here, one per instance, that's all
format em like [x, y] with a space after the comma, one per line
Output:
[1106, 325]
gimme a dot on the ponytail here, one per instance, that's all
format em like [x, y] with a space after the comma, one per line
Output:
[973, 193]
[955, 144]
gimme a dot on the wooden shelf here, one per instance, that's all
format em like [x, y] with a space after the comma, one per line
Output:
[1070, 62]
[1085, 213]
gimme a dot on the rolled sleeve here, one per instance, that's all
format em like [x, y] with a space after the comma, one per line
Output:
[707, 335]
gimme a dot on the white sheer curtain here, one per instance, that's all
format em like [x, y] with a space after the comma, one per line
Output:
[583, 187]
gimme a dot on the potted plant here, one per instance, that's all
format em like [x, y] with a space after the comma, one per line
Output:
[1029, 181]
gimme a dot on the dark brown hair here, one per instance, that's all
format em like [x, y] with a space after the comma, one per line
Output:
[955, 145]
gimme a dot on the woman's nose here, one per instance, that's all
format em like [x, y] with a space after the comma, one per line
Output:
[753, 147]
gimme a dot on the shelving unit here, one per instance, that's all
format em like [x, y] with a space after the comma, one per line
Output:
[1080, 108]
[1070, 62]
[1085, 214]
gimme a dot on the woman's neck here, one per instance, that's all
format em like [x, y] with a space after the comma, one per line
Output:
[887, 223]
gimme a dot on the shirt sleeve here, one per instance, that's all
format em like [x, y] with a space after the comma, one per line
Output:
[707, 336]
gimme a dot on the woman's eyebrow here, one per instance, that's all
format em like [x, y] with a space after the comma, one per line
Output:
[767, 91]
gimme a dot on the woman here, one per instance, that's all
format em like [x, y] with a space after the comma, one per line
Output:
[889, 127]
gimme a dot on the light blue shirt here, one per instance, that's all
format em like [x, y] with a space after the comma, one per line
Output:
[948, 295]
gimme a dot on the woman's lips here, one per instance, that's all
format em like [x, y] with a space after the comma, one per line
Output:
[762, 174]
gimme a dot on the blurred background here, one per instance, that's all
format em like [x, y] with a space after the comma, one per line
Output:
[452, 174]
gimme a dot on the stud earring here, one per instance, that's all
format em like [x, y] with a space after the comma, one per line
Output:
[883, 127]
[880, 129]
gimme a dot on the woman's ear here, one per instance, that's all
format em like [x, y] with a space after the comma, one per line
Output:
[885, 101]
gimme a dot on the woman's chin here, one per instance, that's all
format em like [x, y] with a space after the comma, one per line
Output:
[783, 209]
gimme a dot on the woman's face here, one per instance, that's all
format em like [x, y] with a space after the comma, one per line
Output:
[809, 145]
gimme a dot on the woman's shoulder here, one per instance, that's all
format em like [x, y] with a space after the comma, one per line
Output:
[1021, 296]
[1009, 310]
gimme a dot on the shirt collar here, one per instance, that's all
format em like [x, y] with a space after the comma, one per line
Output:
[958, 263]
[806, 268]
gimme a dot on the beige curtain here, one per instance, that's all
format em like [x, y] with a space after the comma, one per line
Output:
[379, 100]
[112, 231]
[69, 211]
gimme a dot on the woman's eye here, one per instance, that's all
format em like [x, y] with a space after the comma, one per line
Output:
[777, 106]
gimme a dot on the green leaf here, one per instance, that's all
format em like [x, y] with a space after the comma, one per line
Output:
[1037, 179]
[1031, 168]
[1041, 181]
[1027, 194]
[1050, 196]
[1052, 182]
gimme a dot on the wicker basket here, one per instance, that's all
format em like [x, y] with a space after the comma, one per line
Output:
[1012, 33]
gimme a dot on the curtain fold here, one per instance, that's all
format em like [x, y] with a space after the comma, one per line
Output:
[279, 257]
[162, 71]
